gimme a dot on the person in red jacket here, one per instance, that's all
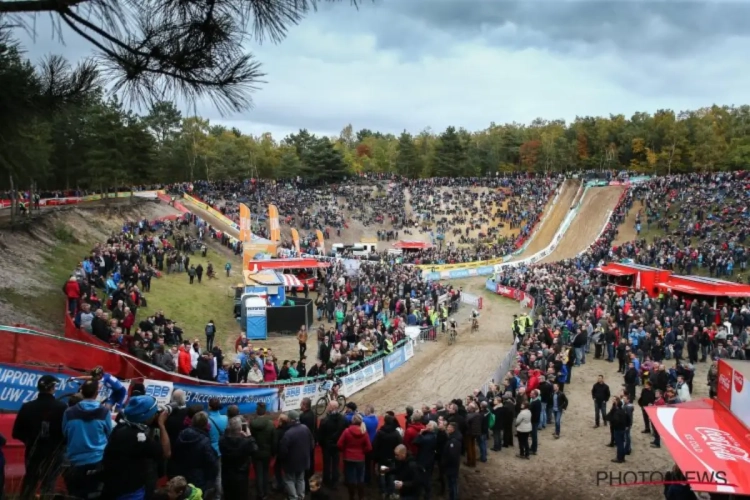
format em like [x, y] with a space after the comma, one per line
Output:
[413, 428]
[354, 444]
[73, 293]
[184, 364]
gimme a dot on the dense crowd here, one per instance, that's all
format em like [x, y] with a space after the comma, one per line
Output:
[656, 343]
[396, 207]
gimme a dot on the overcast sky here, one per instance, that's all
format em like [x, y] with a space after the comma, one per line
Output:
[412, 64]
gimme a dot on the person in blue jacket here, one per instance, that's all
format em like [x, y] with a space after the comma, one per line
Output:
[86, 427]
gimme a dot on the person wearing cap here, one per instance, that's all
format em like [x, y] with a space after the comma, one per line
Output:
[132, 454]
[38, 426]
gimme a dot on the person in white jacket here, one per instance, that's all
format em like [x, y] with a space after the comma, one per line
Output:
[683, 391]
[523, 429]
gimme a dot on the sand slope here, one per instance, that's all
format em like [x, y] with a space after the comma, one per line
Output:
[588, 223]
[543, 235]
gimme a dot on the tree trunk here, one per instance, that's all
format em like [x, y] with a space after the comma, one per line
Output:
[12, 201]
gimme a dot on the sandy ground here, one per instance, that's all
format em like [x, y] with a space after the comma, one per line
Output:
[626, 231]
[588, 223]
[570, 464]
[439, 371]
[543, 235]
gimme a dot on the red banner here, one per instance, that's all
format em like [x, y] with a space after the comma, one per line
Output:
[724, 386]
[524, 298]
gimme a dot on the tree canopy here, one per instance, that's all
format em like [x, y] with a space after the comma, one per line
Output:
[151, 49]
[60, 130]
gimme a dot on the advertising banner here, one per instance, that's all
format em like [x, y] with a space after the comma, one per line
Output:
[472, 300]
[292, 395]
[733, 389]
[18, 386]
[360, 379]
[246, 398]
[524, 298]
[397, 358]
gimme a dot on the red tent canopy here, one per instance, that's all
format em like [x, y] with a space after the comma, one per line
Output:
[708, 443]
[278, 264]
[616, 271]
[411, 245]
[697, 285]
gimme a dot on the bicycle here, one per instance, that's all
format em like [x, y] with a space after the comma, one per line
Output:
[323, 401]
[452, 336]
[474, 325]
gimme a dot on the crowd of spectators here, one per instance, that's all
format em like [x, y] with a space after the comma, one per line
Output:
[396, 206]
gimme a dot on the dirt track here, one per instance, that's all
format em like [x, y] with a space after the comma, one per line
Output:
[626, 231]
[588, 223]
[439, 371]
[543, 235]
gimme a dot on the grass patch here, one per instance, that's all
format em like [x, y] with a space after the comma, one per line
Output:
[64, 234]
[192, 306]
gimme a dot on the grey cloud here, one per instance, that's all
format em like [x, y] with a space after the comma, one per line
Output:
[672, 28]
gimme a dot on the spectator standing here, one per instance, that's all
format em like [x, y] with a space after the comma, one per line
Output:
[383, 446]
[409, 475]
[371, 424]
[523, 428]
[132, 449]
[38, 426]
[210, 332]
[354, 445]
[262, 429]
[309, 419]
[330, 430]
[473, 432]
[451, 458]
[86, 428]
[535, 407]
[426, 444]
[559, 405]
[195, 458]
[237, 448]
[302, 340]
[217, 428]
[295, 450]
[600, 394]
[178, 413]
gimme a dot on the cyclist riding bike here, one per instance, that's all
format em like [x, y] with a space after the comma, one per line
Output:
[331, 385]
[474, 319]
[452, 324]
[118, 393]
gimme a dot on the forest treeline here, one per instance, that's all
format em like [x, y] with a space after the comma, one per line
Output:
[60, 130]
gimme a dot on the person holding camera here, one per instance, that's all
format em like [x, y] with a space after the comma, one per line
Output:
[237, 449]
[131, 445]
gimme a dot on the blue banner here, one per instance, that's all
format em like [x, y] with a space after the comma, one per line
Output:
[394, 360]
[245, 398]
[18, 386]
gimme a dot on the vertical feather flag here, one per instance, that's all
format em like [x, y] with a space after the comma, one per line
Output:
[321, 241]
[245, 229]
[273, 220]
[295, 239]
[246, 258]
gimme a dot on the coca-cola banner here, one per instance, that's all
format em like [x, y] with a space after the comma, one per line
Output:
[706, 441]
[524, 298]
[733, 388]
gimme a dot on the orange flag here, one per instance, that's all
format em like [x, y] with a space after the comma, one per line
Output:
[295, 239]
[245, 229]
[321, 241]
[273, 220]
